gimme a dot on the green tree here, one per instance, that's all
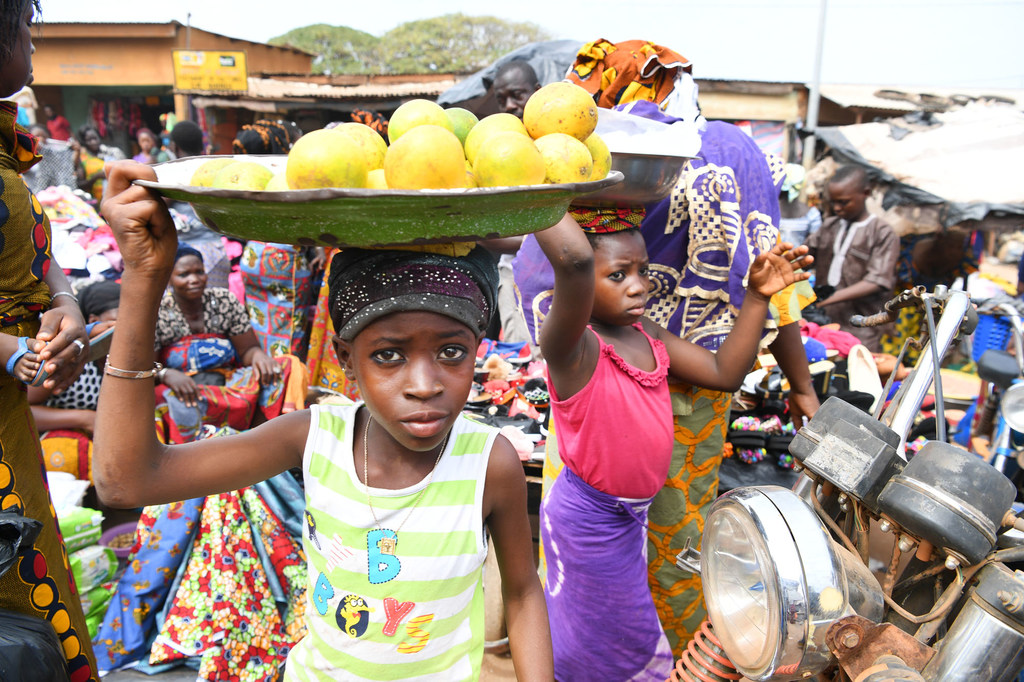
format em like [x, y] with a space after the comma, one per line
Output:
[453, 43]
[339, 49]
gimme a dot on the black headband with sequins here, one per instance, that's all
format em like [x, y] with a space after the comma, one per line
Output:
[366, 285]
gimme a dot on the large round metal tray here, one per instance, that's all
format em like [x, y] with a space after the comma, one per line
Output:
[649, 178]
[368, 217]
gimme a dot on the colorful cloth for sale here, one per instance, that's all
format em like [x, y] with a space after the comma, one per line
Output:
[163, 537]
[168, 548]
[590, 536]
[279, 291]
[224, 611]
[325, 371]
[39, 584]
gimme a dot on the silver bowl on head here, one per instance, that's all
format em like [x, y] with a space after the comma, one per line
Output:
[649, 178]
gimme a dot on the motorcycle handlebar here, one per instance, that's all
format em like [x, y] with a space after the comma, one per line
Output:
[872, 320]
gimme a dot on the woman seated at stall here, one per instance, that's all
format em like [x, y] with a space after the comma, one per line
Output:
[65, 421]
[215, 372]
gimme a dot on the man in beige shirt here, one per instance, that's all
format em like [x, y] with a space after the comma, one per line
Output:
[855, 257]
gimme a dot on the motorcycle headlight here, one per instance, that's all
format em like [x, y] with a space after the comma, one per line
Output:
[774, 581]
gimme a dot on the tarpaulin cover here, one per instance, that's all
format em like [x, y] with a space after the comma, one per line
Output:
[967, 160]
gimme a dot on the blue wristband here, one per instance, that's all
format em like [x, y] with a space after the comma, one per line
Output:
[22, 350]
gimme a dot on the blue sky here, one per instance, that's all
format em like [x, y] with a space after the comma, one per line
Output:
[941, 43]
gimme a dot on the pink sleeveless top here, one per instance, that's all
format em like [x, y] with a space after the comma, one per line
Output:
[616, 433]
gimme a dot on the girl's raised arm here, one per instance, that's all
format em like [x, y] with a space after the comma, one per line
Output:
[771, 272]
[562, 339]
[131, 467]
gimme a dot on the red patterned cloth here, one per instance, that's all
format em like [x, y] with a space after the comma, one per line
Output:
[235, 404]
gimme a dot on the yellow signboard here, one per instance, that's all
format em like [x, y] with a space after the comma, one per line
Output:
[210, 70]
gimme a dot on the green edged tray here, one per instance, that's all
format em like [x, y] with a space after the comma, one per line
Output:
[369, 217]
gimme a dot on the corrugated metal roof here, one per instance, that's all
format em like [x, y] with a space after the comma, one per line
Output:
[913, 99]
[278, 89]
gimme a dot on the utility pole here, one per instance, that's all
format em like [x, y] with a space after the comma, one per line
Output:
[814, 96]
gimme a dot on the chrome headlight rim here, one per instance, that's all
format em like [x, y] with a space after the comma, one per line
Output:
[810, 578]
[1012, 406]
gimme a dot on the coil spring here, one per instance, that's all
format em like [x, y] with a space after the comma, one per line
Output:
[704, 660]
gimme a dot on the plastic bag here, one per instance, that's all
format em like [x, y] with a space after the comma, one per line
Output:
[29, 649]
[631, 134]
[16, 533]
[81, 527]
[92, 566]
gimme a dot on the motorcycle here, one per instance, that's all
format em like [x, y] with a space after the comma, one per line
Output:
[787, 583]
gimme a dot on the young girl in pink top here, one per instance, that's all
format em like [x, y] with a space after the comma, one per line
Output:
[607, 372]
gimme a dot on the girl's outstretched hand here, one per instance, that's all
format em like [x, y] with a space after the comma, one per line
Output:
[773, 271]
[140, 221]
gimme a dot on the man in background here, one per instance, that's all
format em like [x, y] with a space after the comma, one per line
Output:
[855, 257]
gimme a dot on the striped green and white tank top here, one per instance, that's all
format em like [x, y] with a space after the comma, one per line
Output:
[387, 607]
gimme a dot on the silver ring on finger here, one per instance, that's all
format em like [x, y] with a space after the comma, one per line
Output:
[80, 345]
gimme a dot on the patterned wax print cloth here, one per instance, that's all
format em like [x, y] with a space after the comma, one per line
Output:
[325, 371]
[163, 537]
[224, 610]
[279, 289]
[218, 582]
[39, 583]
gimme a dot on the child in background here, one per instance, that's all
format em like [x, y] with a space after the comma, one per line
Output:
[607, 369]
[398, 488]
[41, 333]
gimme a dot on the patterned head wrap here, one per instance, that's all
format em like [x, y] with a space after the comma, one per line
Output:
[604, 220]
[366, 285]
[627, 71]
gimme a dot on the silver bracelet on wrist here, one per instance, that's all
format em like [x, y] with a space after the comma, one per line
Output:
[64, 293]
[131, 373]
